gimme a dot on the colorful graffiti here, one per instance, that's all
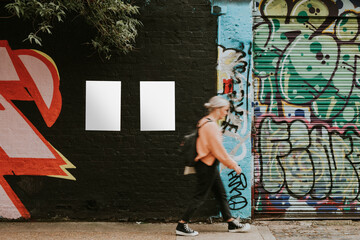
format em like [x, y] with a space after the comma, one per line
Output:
[309, 161]
[307, 105]
[235, 84]
[27, 75]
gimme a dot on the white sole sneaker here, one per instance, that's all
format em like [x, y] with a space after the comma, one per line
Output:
[246, 228]
[195, 233]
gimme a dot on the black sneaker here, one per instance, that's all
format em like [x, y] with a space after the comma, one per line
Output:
[183, 229]
[235, 226]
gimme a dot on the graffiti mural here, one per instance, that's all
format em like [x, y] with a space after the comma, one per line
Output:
[27, 75]
[307, 106]
[235, 84]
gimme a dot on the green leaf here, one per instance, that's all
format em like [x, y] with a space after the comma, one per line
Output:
[33, 37]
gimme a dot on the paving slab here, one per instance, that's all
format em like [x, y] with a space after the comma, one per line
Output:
[265, 232]
[85, 230]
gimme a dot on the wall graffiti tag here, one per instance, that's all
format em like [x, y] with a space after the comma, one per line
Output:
[307, 105]
[238, 184]
[27, 75]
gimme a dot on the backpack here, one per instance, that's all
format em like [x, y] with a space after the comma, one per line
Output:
[188, 149]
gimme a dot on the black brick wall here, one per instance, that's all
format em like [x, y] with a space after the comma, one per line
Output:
[127, 175]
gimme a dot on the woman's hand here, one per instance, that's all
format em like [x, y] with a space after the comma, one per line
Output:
[238, 170]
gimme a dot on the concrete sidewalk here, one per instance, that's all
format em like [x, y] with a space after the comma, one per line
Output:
[128, 231]
[261, 230]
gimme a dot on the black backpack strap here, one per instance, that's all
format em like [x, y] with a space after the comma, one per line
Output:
[208, 120]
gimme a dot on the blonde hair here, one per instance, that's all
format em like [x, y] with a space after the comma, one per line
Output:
[216, 102]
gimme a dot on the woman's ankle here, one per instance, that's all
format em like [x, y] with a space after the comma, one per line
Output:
[230, 220]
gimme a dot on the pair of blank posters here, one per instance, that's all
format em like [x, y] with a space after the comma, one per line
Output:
[103, 106]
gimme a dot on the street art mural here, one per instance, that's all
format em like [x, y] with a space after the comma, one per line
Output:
[27, 75]
[307, 106]
[235, 84]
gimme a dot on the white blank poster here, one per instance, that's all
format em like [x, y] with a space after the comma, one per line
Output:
[157, 106]
[103, 105]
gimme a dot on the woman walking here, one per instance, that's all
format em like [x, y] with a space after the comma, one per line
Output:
[210, 152]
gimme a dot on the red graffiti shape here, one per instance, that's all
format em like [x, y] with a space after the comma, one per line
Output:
[26, 75]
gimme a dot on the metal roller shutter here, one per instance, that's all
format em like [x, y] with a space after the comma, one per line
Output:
[307, 107]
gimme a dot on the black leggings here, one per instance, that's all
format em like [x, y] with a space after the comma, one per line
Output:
[208, 178]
